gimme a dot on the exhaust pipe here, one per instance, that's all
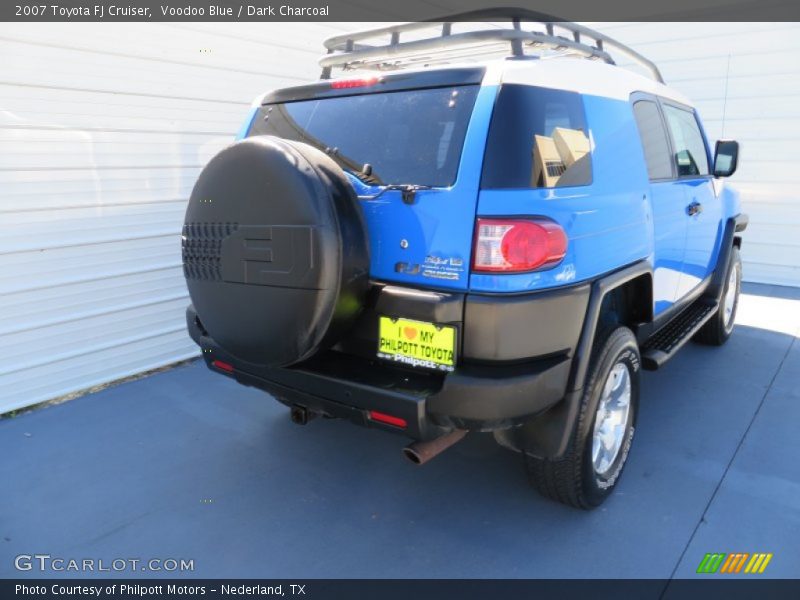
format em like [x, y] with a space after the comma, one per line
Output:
[300, 415]
[421, 452]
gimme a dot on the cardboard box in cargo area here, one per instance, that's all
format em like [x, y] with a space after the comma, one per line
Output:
[547, 163]
[553, 156]
[572, 144]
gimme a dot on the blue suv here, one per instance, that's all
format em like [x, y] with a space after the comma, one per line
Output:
[431, 246]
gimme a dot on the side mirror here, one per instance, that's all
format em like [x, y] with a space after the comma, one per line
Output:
[726, 158]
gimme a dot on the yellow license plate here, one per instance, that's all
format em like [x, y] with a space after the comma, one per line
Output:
[417, 343]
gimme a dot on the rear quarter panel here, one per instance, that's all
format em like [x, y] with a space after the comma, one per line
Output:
[608, 223]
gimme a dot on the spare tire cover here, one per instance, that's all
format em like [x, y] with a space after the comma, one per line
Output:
[275, 250]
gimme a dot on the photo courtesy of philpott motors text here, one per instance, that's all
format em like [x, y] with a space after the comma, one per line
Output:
[64, 590]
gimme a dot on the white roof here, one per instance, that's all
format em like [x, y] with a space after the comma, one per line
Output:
[578, 75]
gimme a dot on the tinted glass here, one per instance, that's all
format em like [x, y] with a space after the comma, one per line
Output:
[412, 137]
[537, 138]
[654, 140]
[690, 149]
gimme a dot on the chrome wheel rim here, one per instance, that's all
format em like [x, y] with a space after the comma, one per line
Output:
[730, 297]
[611, 420]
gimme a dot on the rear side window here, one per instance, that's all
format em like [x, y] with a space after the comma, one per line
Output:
[657, 153]
[690, 149]
[537, 139]
[408, 137]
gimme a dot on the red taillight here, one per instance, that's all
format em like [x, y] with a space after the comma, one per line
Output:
[343, 84]
[223, 366]
[388, 419]
[517, 245]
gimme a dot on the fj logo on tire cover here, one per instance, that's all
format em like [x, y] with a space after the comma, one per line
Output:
[279, 255]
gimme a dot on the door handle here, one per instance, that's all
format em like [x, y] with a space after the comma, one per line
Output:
[695, 208]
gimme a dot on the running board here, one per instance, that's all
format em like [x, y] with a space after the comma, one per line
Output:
[665, 342]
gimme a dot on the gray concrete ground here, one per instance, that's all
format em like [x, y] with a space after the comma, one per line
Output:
[188, 464]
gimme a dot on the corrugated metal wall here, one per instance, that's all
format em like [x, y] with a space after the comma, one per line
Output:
[104, 128]
[746, 75]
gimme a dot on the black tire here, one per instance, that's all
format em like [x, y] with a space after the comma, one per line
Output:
[573, 479]
[719, 328]
[275, 251]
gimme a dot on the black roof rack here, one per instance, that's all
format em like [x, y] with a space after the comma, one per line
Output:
[489, 36]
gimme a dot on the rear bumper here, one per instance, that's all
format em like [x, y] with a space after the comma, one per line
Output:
[479, 397]
[516, 355]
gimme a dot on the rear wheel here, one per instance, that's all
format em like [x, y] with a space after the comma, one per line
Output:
[719, 328]
[588, 472]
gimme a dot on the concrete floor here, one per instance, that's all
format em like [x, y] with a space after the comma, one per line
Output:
[188, 464]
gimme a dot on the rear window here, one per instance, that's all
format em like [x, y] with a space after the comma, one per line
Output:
[408, 137]
[537, 139]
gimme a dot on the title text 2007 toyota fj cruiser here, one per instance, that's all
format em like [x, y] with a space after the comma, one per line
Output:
[431, 247]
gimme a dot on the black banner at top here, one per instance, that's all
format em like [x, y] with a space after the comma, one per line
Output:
[391, 10]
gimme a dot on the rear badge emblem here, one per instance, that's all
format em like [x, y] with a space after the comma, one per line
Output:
[404, 244]
[403, 267]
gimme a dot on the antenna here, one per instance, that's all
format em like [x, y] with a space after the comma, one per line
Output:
[725, 98]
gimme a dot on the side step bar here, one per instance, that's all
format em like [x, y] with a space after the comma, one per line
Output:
[665, 342]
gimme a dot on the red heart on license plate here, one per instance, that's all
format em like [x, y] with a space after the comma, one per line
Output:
[410, 332]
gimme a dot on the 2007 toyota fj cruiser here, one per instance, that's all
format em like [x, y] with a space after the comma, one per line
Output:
[438, 247]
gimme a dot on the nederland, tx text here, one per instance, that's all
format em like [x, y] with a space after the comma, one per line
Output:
[158, 590]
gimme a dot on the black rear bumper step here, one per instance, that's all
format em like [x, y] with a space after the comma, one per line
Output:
[478, 397]
[666, 342]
